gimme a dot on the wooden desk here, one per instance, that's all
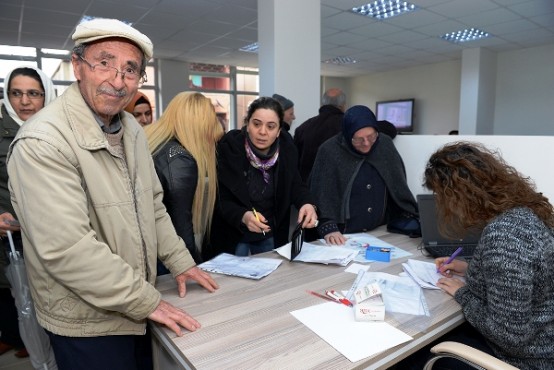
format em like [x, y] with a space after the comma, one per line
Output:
[247, 324]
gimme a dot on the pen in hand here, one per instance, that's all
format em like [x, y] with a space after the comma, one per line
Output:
[451, 258]
[257, 218]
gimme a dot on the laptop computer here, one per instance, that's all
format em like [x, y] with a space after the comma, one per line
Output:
[433, 242]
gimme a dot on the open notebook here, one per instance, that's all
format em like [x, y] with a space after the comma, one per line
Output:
[433, 242]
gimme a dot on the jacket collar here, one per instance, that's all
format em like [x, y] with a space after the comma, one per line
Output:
[82, 121]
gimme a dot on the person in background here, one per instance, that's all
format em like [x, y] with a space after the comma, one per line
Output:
[141, 109]
[508, 294]
[258, 182]
[288, 111]
[359, 181]
[309, 136]
[183, 144]
[27, 91]
[92, 268]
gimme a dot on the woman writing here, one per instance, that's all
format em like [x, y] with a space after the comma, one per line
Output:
[508, 297]
[183, 144]
[258, 182]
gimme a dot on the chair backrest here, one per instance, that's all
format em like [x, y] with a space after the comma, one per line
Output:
[469, 355]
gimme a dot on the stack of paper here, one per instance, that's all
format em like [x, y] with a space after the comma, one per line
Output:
[247, 267]
[320, 254]
[423, 273]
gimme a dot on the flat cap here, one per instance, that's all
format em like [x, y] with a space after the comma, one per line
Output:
[101, 28]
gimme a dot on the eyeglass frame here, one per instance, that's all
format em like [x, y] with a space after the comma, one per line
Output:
[142, 77]
[11, 92]
[362, 140]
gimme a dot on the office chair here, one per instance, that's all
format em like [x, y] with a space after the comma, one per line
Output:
[469, 355]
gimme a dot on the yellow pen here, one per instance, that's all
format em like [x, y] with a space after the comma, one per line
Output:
[257, 218]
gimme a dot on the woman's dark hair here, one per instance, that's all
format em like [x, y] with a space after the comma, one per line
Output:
[473, 185]
[24, 71]
[264, 102]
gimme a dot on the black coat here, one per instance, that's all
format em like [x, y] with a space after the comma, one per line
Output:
[233, 199]
[178, 173]
[314, 132]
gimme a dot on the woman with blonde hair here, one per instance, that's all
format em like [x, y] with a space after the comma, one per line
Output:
[183, 144]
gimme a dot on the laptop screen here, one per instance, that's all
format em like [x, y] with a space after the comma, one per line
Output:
[432, 239]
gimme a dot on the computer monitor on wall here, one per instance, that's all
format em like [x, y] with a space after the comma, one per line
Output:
[398, 112]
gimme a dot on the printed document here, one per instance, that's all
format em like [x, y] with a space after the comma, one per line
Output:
[246, 267]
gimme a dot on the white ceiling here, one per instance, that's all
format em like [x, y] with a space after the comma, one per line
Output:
[212, 31]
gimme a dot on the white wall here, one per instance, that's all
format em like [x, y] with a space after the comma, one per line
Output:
[435, 87]
[525, 92]
[530, 155]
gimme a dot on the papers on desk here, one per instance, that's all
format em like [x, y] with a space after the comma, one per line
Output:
[246, 267]
[401, 294]
[360, 241]
[320, 254]
[423, 273]
[356, 340]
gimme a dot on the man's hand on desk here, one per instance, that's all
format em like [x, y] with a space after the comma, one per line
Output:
[174, 318]
[201, 277]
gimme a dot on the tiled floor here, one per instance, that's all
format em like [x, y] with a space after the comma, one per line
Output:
[9, 362]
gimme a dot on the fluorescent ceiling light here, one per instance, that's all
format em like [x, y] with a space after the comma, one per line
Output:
[470, 34]
[340, 60]
[251, 48]
[383, 9]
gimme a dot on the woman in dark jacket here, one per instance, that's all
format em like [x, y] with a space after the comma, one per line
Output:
[183, 144]
[359, 181]
[258, 182]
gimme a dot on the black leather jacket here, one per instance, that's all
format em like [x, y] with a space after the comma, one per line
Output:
[178, 173]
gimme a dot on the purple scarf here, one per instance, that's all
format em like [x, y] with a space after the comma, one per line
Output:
[261, 164]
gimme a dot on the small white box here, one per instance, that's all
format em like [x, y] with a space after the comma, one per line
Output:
[369, 303]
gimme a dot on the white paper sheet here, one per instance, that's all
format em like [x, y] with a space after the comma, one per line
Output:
[356, 340]
[246, 267]
[319, 254]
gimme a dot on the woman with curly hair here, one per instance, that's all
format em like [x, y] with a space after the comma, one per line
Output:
[183, 144]
[508, 296]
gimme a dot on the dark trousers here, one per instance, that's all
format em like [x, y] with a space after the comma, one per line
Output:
[9, 325]
[117, 352]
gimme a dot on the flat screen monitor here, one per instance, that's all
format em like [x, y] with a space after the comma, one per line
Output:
[398, 112]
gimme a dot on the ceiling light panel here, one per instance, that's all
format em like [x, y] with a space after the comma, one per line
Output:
[468, 34]
[383, 9]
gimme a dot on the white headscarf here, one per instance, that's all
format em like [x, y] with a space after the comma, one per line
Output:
[49, 92]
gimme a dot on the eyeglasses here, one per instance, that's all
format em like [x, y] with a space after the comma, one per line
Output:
[370, 139]
[31, 94]
[130, 73]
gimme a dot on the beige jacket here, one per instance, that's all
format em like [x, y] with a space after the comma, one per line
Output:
[91, 224]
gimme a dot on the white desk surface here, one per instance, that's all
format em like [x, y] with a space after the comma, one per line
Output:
[247, 324]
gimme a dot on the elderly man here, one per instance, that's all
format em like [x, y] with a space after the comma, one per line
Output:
[86, 193]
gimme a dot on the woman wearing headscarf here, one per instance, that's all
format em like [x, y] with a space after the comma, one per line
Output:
[359, 181]
[141, 109]
[183, 144]
[26, 91]
[258, 182]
